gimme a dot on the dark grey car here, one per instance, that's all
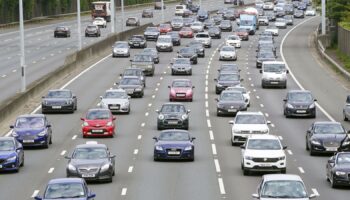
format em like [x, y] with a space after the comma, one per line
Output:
[230, 102]
[229, 68]
[153, 52]
[214, 32]
[188, 52]
[133, 71]
[225, 80]
[225, 25]
[133, 85]
[181, 66]
[145, 62]
[198, 46]
[151, 33]
[137, 41]
[299, 103]
[62, 100]
[175, 38]
[173, 115]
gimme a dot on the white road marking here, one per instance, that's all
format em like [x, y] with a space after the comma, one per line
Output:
[74, 137]
[9, 58]
[153, 96]
[34, 62]
[206, 82]
[252, 85]
[209, 123]
[43, 58]
[63, 152]
[262, 105]
[221, 186]
[161, 78]
[315, 191]
[207, 71]
[143, 124]
[254, 90]
[213, 148]
[301, 170]
[217, 165]
[290, 152]
[273, 125]
[146, 114]
[164, 72]
[207, 113]
[249, 78]
[51, 170]
[130, 169]
[150, 104]
[139, 137]
[158, 84]
[206, 77]
[206, 89]
[206, 104]
[206, 96]
[156, 89]
[35, 193]
[211, 135]
[257, 97]
[15, 70]
[52, 54]
[124, 190]
[3, 76]
[136, 151]
[267, 114]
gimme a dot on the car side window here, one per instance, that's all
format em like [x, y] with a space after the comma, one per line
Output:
[348, 99]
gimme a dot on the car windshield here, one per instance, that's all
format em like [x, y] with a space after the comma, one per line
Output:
[343, 158]
[130, 81]
[90, 153]
[274, 67]
[115, 95]
[202, 35]
[231, 96]
[283, 189]
[179, 7]
[181, 84]
[213, 29]
[227, 48]
[59, 94]
[151, 29]
[186, 29]
[188, 20]
[121, 45]
[98, 114]
[228, 77]
[269, 54]
[280, 20]
[197, 24]
[233, 37]
[137, 38]
[64, 191]
[173, 109]
[229, 67]
[329, 129]
[202, 12]
[164, 39]
[174, 136]
[264, 144]
[299, 97]
[173, 34]
[91, 27]
[7, 145]
[182, 61]
[30, 122]
[250, 119]
[224, 22]
[142, 58]
[187, 50]
[149, 50]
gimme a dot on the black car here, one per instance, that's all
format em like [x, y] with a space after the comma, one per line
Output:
[193, 7]
[230, 102]
[181, 66]
[175, 38]
[229, 15]
[217, 19]
[147, 13]
[214, 32]
[299, 103]
[264, 56]
[133, 85]
[92, 162]
[198, 46]
[92, 30]
[225, 25]
[299, 14]
[208, 23]
[229, 68]
[173, 115]
[133, 71]
[59, 101]
[226, 79]
[324, 137]
[188, 21]
[62, 31]
[137, 41]
[153, 52]
[338, 169]
[202, 15]
[151, 33]
[188, 52]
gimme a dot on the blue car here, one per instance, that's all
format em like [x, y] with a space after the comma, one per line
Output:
[174, 145]
[11, 154]
[32, 130]
[67, 188]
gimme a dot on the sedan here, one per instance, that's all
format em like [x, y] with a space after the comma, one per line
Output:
[120, 49]
[225, 25]
[299, 103]
[338, 168]
[147, 13]
[116, 100]
[208, 23]
[273, 29]
[32, 130]
[61, 31]
[214, 32]
[230, 102]
[181, 66]
[226, 79]
[197, 27]
[188, 21]
[137, 41]
[174, 145]
[281, 23]
[228, 53]
[133, 71]
[264, 56]
[11, 154]
[67, 188]
[153, 52]
[164, 28]
[175, 38]
[100, 22]
[181, 89]
[242, 33]
[133, 85]
[98, 122]
[151, 33]
[310, 12]
[188, 52]
[92, 162]
[233, 40]
[92, 30]
[62, 100]
[132, 21]
[173, 115]
[198, 46]
[186, 32]
[324, 137]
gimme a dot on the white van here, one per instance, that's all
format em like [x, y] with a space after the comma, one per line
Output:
[274, 74]
[180, 9]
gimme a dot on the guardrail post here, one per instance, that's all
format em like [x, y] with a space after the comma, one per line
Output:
[112, 17]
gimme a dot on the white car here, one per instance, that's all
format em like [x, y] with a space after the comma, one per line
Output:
[197, 27]
[233, 40]
[268, 6]
[204, 38]
[247, 123]
[117, 100]
[310, 12]
[228, 53]
[263, 153]
[246, 94]
[272, 29]
[180, 10]
[263, 20]
[99, 21]
[281, 23]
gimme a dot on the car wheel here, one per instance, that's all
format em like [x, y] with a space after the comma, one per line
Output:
[155, 159]
[333, 185]
[50, 142]
[46, 145]
[307, 146]
[312, 153]
[22, 163]
[191, 159]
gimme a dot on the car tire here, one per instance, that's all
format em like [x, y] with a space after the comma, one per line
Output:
[307, 148]
[155, 159]
[283, 171]
[50, 142]
[46, 145]
[312, 153]
[22, 164]
[159, 128]
[333, 185]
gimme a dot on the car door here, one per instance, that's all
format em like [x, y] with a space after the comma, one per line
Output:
[329, 166]
[19, 150]
[309, 133]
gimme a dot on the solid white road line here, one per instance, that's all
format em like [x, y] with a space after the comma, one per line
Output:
[74, 137]
[221, 186]
[217, 165]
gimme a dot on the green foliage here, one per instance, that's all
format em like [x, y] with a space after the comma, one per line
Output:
[345, 24]
[338, 9]
[344, 59]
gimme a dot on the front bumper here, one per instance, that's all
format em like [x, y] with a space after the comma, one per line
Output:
[102, 131]
[163, 155]
[99, 176]
[54, 109]
[228, 111]
[151, 37]
[264, 166]
[322, 149]
[225, 57]
[164, 48]
[181, 96]
[169, 124]
[120, 54]
[33, 141]
[342, 180]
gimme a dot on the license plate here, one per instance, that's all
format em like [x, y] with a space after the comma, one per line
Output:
[274, 82]
[136, 45]
[56, 107]
[265, 165]
[96, 131]
[173, 152]
[332, 149]
[88, 175]
[180, 95]
[114, 107]
[172, 122]
[232, 110]
[28, 141]
[163, 47]
[301, 111]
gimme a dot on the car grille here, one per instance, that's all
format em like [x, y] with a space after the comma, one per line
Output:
[88, 170]
[55, 103]
[265, 159]
[301, 107]
[114, 106]
[251, 132]
[331, 144]
[28, 137]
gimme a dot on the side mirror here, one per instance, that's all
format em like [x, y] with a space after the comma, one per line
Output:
[312, 196]
[188, 111]
[169, 86]
[216, 99]
[284, 100]
[308, 131]
[193, 87]
[193, 138]
[67, 157]
[315, 99]
[101, 97]
[231, 122]
[114, 117]
[255, 196]
[38, 198]
[155, 138]
[48, 126]
[130, 60]
[12, 126]
[92, 195]
[268, 122]
[74, 97]
[284, 147]
[215, 79]
[287, 71]
[261, 71]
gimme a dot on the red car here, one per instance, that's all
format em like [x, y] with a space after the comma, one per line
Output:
[242, 33]
[186, 32]
[164, 28]
[181, 89]
[98, 122]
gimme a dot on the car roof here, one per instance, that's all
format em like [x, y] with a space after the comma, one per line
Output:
[326, 122]
[249, 113]
[91, 145]
[172, 130]
[66, 180]
[263, 136]
[276, 177]
[31, 115]
[181, 79]
[273, 62]
[299, 91]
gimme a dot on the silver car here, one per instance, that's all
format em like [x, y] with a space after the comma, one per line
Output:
[228, 53]
[116, 100]
[197, 27]
[204, 38]
[121, 49]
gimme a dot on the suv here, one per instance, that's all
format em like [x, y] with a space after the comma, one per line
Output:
[204, 38]
[274, 74]
[164, 43]
[263, 153]
[248, 123]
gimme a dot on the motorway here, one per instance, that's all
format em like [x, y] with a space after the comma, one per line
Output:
[215, 173]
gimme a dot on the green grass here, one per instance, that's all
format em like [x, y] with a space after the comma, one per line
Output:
[345, 59]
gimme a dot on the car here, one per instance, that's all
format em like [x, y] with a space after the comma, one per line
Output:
[92, 162]
[233, 40]
[221, 11]
[144, 61]
[281, 23]
[267, 47]
[325, 137]
[188, 21]
[133, 86]
[179, 10]
[346, 109]
[259, 4]
[214, 32]
[247, 123]
[310, 12]
[60, 100]
[230, 102]
[186, 32]
[188, 52]
[263, 153]
[116, 100]
[229, 68]
[164, 28]
[175, 38]
[63, 31]
[242, 33]
[338, 168]
[177, 23]
[137, 41]
[302, 6]
[282, 186]
[263, 20]
[198, 47]
[32, 130]
[11, 154]
[227, 53]
[289, 20]
[204, 38]
[225, 25]
[174, 144]
[100, 22]
[202, 15]
[98, 122]
[229, 15]
[193, 7]
[299, 14]
[173, 115]
[181, 66]
[67, 188]
[92, 30]
[164, 43]
[271, 16]
[151, 33]
[197, 27]
[280, 13]
[299, 103]
[134, 71]
[217, 19]
[208, 23]
[273, 29]
[120, 49]
[181, 89]
[226, 79]
[268, 6]
[263, 56]
[153, 52]
[147, 13]
[132, 21]
[243, 90]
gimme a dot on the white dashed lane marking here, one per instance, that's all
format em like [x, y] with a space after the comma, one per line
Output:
[130, 169]
[124, 190]
[74, 137]
[301, 170]
[315, 191]
[208, 123]
[290, 152]
[51, 170]
[136, 151]
[217, 165]
[213, 148]
[63, 152]
[221, 186]
[35, 193]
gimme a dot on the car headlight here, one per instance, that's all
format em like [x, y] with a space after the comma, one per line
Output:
[42, 133]
[159, 148]
[161, 116]
[105, 167]
[248, 157]
[315, 142]
[110, 124]
[220, 105]
[12, 159]
[69, 102]
[138, 89]
[339, 173]
[289, 105]
[346, 143]
[237, 131]
[189, 148]
[312, 106]
[71, 167]
[265, 131]
[218, 85]
[14, 134]
[282, 158]
[184, 117]
[85, 124]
